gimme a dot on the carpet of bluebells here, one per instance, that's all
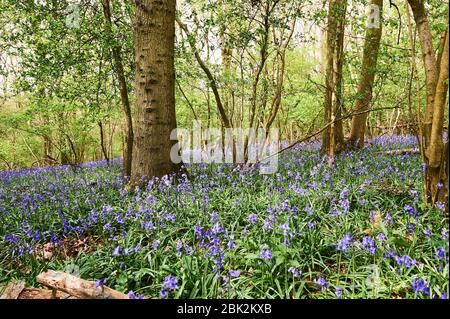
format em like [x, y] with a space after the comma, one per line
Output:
[360, 230]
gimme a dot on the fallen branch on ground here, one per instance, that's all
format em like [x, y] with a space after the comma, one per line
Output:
[80, 288]
[13, 290]
[400, 152]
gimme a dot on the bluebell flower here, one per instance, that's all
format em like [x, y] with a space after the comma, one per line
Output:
[146, 225]
[267, 224]
[179, 247]
[312, 225]
[405, 261]
[294, 271]
[266, 254]
[234, 273]
[411, 211]
[369, 245]
[285, 228]
[217, 229]
[164, 294]
[440, 253]
[133, 295]
[119, 219]
[344, 243]
[253, 218]
[440, 206]
[338, 292]
[116, 251]
[381, 237]
[170, 217]
[345, 204]
[322, 282]
[214, 217]
[388, 219]
[231, 243]
[99, 283]
[170, 283]
[155, 244]
[198, 231]
[309, 210]
[420, 286]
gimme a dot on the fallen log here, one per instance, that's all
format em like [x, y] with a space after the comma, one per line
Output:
[77, 287]
[400, 152]
[38, 293]
[13, 290]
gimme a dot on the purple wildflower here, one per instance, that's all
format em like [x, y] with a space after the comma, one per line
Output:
[231, 243]
[116, 251]
[322, 282]
[381, 237]
[253, 218]
[440, 253]
[294, 271]
[420, 286]
[369, 245]
[344, 243]
[170, 283]
[266, 254]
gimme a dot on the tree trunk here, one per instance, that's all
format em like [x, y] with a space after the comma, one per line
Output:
[367, 77]
[154, 37]
[433, 149]
[429, 61]
[102, 142]
[332, 138]
[118, 69]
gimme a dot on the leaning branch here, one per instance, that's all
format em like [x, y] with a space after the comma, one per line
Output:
[325, 127]
[208, 73]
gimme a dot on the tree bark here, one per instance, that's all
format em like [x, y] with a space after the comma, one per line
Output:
[429, 61]
[433, 149]
[126, 108]
[332, 138]
[367, 77]
[154, 38]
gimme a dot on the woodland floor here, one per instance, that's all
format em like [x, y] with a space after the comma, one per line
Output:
[360, 230]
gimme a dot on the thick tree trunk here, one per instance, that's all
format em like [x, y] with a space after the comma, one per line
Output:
[367, 77]
[332, 138]
[118, 69]
[154, 37]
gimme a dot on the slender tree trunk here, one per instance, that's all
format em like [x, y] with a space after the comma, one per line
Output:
[429, 61]
[102, 142]
[433, 149]
[367, 77]
[223, 115]
[118, 69]
[437, 159]
[332, 138]
[154, 37]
